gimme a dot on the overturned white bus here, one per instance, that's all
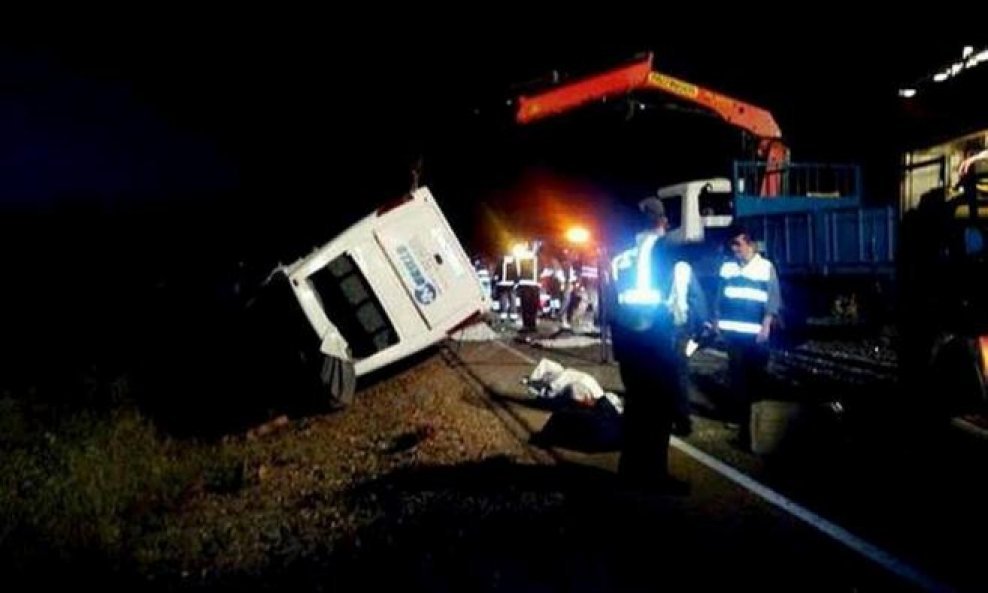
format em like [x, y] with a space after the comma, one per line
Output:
[390, 285]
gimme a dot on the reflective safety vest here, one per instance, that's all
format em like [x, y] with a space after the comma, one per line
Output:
[528, 270]
[744, 296]
[485, 280]
[509, 271]
[649, 290]
[588, 272]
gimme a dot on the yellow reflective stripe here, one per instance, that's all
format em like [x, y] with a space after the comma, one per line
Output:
[730, 270]
[746, 293]
[644, 278]
[637, 296]
[741, 327]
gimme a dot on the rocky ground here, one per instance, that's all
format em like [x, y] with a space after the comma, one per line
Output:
[419, 461]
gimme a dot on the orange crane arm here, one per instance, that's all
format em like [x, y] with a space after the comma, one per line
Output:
[613, 83]
[640, 76]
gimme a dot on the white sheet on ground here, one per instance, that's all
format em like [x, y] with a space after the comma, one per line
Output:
[555, 380]
[478, 332]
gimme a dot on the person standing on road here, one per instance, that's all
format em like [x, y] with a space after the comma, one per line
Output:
[656, 297]
[748, 304]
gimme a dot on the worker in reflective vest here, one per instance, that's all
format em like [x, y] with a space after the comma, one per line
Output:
[570, 294]
[591, 291]
[748, 305]
[657, 302]
[528, 287]
[484, 275]
[505, 289]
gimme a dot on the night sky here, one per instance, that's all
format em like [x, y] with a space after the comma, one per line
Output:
[166, 150]
[286, 108]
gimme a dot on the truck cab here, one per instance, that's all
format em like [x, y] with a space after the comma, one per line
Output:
[696, 209]
[823, 242]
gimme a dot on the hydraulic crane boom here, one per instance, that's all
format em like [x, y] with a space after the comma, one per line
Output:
[639, 76]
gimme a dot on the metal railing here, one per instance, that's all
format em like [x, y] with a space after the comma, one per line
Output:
[799, 180]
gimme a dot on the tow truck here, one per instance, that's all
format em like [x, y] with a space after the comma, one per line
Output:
[809, 217]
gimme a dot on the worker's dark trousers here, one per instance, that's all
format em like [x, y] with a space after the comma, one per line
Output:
[529, 296]
[681, 395]
[506, 302]
[747, 364]
[651, 382]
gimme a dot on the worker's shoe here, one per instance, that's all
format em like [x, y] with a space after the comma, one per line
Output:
[741, 442]
[671, 486]
[665, 486]
[682, 426]
[659, 484]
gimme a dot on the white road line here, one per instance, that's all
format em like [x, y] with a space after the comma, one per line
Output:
[828, 528]
[832, 530]
[970, 428]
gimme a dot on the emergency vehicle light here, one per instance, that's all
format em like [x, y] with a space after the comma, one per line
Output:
[577, 235]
